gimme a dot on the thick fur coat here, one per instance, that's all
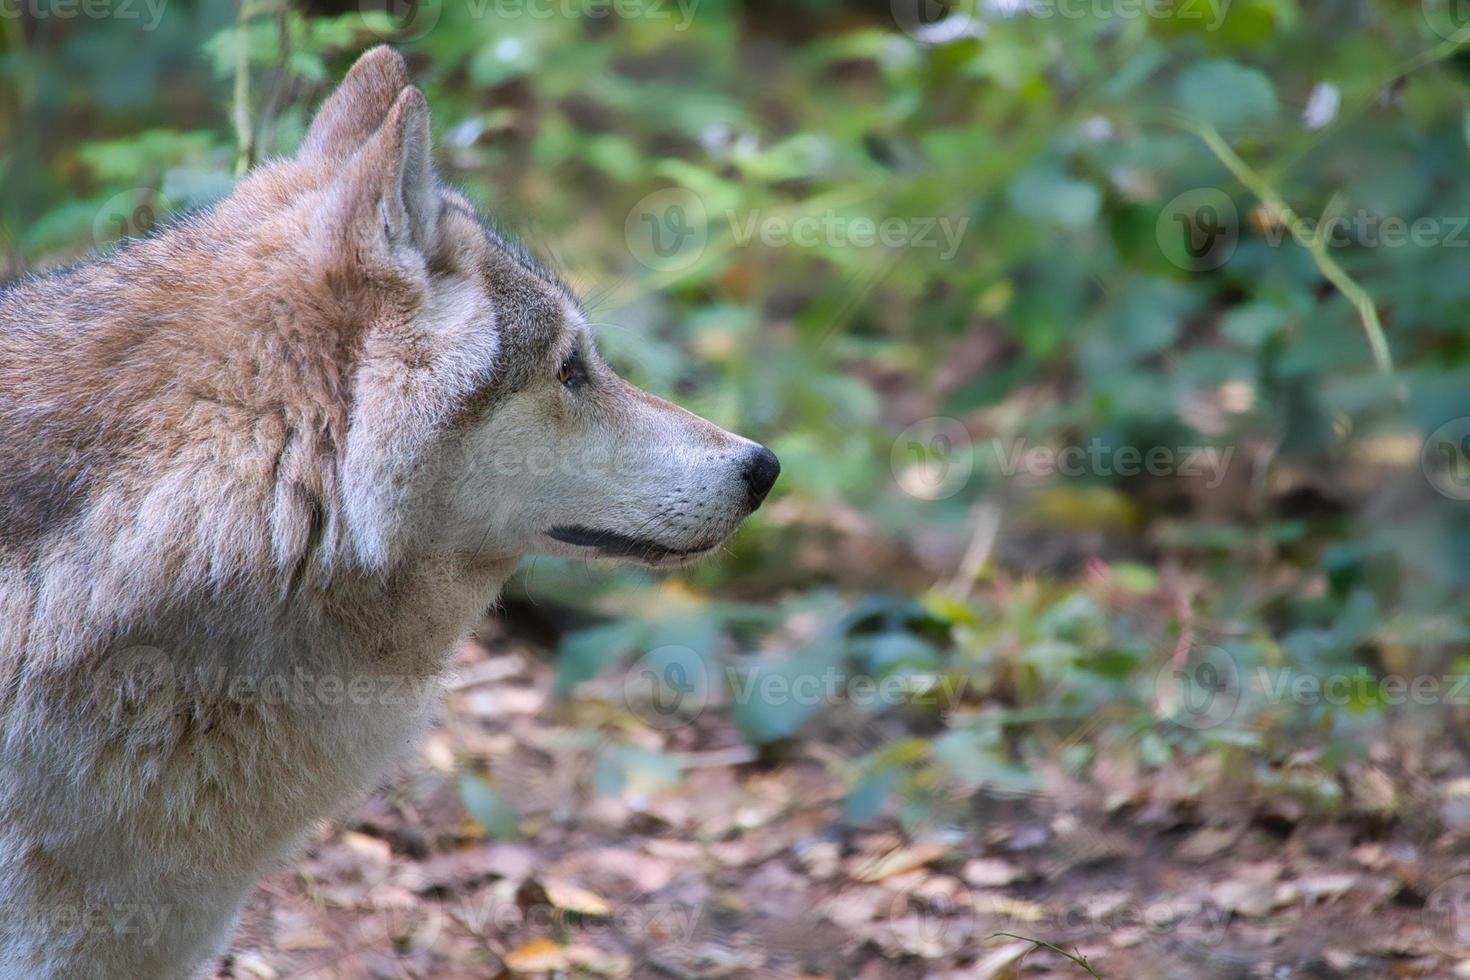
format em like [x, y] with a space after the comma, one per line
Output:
[259, 474]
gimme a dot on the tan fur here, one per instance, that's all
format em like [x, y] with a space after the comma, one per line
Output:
[309, 432]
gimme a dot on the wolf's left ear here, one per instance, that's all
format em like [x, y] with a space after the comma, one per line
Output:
[388, 196]
[358, 107]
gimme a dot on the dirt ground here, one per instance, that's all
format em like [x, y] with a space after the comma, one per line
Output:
[743, 867]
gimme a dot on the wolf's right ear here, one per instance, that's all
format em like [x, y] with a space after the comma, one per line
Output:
[385, 206]
[358, 107]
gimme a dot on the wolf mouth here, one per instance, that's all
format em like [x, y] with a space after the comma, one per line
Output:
[616, 545]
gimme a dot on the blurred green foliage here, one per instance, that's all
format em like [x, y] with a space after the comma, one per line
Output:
[1047, 288]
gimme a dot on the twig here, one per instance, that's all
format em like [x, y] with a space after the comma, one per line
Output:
[244, 134]
[1077, 958]
[986, 526]
[1315, 245]
[1184, 606]
[265, 130]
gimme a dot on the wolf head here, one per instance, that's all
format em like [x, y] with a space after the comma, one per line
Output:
[482, 420]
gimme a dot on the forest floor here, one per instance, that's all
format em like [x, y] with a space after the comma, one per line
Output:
[745, 869]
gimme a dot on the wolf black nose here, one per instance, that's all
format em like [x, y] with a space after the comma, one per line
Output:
[760, 473]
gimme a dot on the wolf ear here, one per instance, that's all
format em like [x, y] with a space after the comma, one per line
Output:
[388, 196]
[356, 110]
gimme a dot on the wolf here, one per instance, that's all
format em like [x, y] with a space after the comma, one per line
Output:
[308, 433]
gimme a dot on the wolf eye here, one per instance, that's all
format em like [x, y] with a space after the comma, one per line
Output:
[572, 372]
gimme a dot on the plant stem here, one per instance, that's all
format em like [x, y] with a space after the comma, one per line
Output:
[244, 134]
[1315, 244]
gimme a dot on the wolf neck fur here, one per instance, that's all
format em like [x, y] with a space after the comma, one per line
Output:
[247, 498]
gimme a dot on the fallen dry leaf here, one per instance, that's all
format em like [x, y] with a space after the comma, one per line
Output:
[992, 873]
[536, 956]
[563, 895]
[898, 861]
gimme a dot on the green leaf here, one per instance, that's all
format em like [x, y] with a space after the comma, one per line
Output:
[1253, 324]
[974, 759]
[507, 57]
[1049, 195]
[495, 816]
[630, 769]
[1227, 94]
[773, 699]
[865, 803]
[584, 654]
